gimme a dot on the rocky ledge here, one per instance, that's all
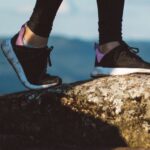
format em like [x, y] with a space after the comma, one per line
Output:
[105, 112]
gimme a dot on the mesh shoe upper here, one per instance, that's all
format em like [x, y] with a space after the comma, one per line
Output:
[34, 63]
[122, 56]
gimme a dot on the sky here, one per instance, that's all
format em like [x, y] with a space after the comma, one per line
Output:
[77, 18]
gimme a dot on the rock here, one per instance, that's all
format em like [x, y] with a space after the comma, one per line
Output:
[105, 112]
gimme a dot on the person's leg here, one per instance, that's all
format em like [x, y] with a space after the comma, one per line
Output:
[27, 51]
[110, 15]
[113, 56]
[40, 24]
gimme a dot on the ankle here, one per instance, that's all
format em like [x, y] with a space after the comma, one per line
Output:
[32, 40]
[109, 46]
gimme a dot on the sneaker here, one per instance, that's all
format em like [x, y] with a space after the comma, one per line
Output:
[119, 61]
[30, 64]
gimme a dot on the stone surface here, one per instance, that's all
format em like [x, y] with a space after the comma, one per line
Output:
[121, 101]
[105, 112]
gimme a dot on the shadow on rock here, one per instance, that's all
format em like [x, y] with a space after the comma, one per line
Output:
[47, 124]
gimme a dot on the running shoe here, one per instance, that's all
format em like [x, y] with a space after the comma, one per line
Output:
[119, 61]
[30, 64]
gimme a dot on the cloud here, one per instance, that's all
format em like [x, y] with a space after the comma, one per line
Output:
[65, 7]
[25, 9]
[81, 15]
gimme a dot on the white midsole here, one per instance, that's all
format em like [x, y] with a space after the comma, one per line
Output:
[117, 71]
[11, 56]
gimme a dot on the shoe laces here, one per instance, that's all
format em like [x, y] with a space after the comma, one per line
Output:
[44, 74]
[49, 49]
[133, 50]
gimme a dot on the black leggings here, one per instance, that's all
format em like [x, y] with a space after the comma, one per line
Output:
[43, 15]
[110, 14]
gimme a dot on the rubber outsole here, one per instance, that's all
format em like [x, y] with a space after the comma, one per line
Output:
[102, 71]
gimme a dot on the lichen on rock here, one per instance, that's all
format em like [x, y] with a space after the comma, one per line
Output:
[123, 101]
[112, 111]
